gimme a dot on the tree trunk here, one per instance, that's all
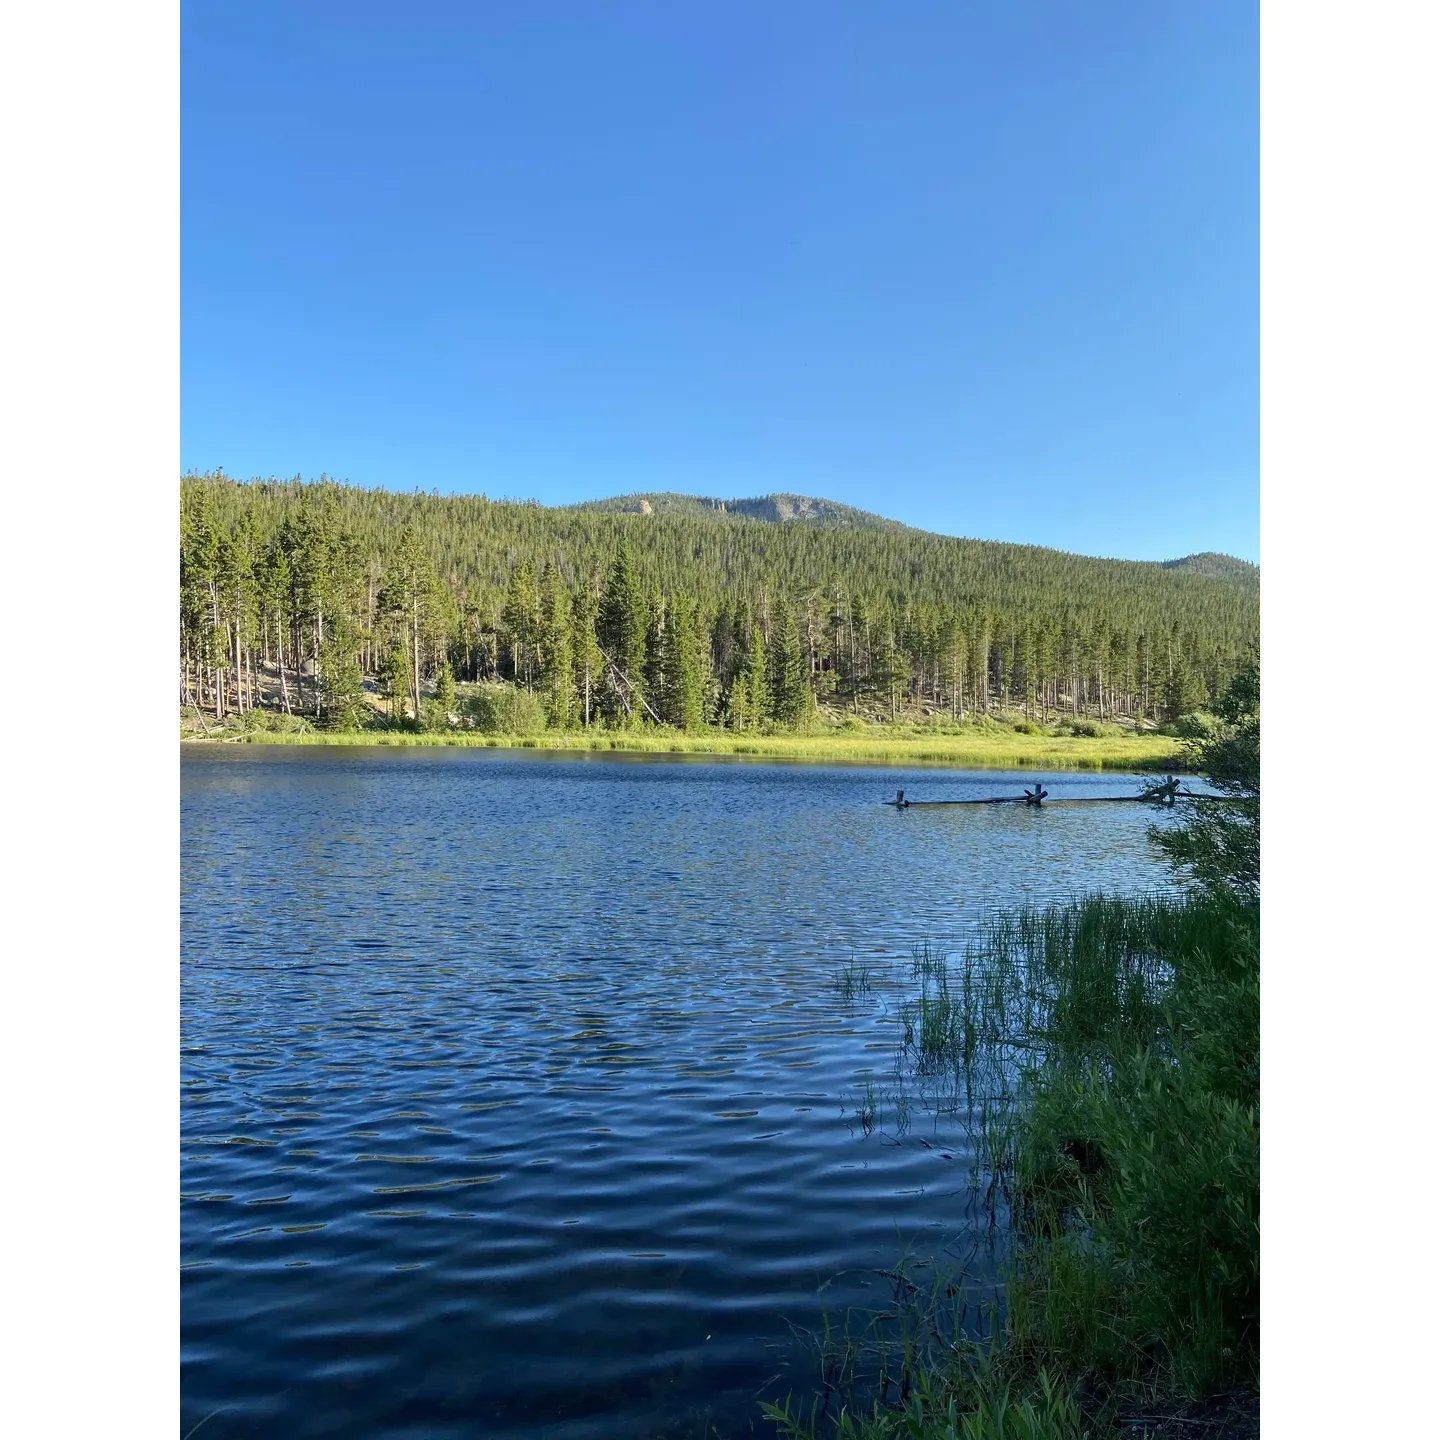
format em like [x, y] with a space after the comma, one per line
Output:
[239, 666]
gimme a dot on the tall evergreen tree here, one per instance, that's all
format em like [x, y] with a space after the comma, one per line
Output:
[340, 684]
[1184, 691]
[445, 694]
[749, 697]
[890, 670]
[790, 700]
[557, 678]
[587, 663]
[520, 618]
[395, 678]
[656, 655]
[685, 665]
[409, 597]
[620, 630]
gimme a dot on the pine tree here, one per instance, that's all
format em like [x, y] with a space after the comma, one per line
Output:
[620, 631]
[395, 680]
[200, 562]
[748, 702]
[445, 700]
[890, 669]
[557, 680]
[657, 683]
[685, 665]
[587, 663]
[952, 661]
[790, 700]
[859, 649]
[340, 684]
[275, 595]
[409, 597]
[1184, 692]
[520, 618]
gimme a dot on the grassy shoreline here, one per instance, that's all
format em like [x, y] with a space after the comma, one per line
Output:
[1104, 1053]
[984, 749]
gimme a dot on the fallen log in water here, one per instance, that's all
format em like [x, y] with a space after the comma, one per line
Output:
[1164, 792]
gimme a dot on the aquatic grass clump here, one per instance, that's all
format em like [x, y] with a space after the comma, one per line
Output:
[958, 1389]
[1079, 979]
[867, 1108]
[854, 981]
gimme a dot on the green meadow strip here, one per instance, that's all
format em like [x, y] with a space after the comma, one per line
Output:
[983, 750]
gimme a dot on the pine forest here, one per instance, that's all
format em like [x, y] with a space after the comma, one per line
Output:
[359, 608]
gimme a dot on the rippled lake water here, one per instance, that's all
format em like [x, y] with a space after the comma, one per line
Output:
[518, 1091]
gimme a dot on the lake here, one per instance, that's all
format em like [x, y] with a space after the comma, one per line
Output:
[519, 1091]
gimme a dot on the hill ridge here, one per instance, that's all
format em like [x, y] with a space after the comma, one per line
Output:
[778, 507]
[781, 507]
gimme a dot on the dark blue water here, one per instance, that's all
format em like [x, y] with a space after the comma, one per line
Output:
[518, 1094]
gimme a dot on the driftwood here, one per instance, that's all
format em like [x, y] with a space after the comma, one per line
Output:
[1163, 792]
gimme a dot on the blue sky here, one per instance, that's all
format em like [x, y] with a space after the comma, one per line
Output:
[990, 269]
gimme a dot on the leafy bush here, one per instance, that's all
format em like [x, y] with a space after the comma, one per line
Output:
[1138, 1173]
[1198, 725]
[1219, 845]
[269, 722]
[500, 709]
[437, 716]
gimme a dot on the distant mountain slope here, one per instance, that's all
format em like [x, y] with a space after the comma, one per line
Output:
[825, 555]
[773, 508]
[1240, 573]
[778, 508]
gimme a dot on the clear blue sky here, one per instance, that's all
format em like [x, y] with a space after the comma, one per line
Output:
[990, 269]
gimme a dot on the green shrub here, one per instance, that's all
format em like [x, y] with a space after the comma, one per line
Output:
[500, 709]
[437, 716]
[1198, 725]
[1137, 1164]
[269, 722]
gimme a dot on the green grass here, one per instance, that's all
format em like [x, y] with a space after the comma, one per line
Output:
[982, 747]
[930, 1365]
[966, 1400]
[1137, 1166]
[1104, 1057]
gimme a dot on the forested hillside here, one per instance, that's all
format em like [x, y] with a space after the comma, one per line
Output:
[1240, 573]
[775, 508]
[307, 597]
